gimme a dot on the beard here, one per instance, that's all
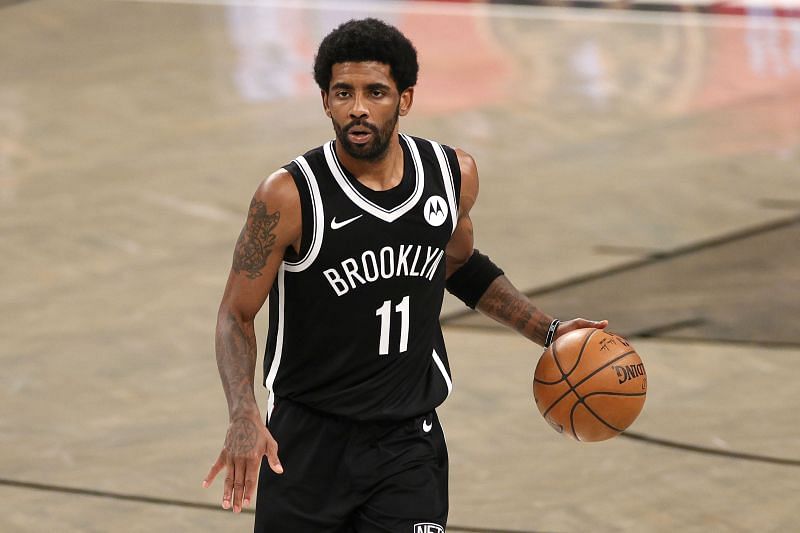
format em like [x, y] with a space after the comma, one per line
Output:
[378, 145]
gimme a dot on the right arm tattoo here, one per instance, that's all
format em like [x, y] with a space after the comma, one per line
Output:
[242, 436]
[256, 240]
[235, 338]
[236, 360]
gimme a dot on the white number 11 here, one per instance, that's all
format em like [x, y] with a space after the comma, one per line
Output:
[385, 312]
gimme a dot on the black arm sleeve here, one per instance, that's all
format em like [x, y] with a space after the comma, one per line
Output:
[469, 282]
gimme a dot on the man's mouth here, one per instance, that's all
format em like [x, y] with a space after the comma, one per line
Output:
[359, 134]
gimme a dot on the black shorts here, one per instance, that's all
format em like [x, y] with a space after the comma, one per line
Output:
[342, 476]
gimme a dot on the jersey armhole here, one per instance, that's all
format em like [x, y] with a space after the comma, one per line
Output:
[306, 214]
[312, 216]
[455, 169]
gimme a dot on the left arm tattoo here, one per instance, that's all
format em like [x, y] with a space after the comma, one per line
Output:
[505, 304]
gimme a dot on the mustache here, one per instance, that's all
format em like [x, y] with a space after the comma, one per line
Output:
[363, 124]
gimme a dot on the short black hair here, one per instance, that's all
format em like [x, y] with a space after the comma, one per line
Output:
[367, 39]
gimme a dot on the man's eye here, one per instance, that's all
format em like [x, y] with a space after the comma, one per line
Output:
[342, 94]
[377, 94]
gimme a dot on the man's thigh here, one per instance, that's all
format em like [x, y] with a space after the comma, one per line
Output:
[412, 497]
[311, 495]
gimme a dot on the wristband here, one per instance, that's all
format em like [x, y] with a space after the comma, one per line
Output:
[551, 332]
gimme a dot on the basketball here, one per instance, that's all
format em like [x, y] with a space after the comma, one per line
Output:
[590, 384]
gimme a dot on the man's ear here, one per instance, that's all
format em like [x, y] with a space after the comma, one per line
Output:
[325, 106]
[406, 99]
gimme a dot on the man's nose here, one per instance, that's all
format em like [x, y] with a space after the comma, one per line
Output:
[359, 109]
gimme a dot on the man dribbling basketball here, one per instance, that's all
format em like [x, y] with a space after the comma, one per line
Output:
[354, 243]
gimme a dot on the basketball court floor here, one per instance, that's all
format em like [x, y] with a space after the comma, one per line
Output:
[638, 164]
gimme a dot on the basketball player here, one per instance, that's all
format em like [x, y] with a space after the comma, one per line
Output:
[354, 242]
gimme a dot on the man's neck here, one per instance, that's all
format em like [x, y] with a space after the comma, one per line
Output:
[379, 175]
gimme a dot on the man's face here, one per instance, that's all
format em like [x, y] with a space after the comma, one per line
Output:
[364, 105]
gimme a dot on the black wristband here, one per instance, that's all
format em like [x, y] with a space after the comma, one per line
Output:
[469, 282]
[551, 332]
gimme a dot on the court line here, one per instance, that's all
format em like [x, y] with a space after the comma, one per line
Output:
[640, 437]
[663, 331]
[779, 203]
[535, 12]
[614, 249]
[654, 258]
[137, 498]
[792, 345]
[659, 330]
[735, 342]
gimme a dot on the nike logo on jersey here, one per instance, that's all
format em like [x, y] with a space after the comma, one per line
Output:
[343, 223]
[427, 426]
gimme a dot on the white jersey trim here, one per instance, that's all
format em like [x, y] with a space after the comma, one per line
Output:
[449, 183]
[318, 214]
[270, 405]
[387, 215]
[276, 359]
[443, 370]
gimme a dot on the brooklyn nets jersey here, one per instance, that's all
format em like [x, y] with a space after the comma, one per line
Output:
[354, 316]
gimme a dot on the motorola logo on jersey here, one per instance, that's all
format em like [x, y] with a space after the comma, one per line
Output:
[428, 527]
[435, 211]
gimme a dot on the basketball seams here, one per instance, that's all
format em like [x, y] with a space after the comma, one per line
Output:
[598, 417]
[603, 367]
[556, 382]
[610, 393]
[572, 418]
[558, 364]
[581, 382]
[583, 348]
[566, 375]
[582, 399]
[556, 402]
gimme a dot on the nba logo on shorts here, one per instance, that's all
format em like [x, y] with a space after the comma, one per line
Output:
[428, 527]
[435, 212]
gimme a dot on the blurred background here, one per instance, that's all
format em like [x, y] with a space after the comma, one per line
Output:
[639, 161]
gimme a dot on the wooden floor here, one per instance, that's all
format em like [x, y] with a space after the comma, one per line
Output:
[642, 167]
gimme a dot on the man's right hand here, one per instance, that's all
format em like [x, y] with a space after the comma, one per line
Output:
[246, 442]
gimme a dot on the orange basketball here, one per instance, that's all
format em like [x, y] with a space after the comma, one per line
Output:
[590, 384]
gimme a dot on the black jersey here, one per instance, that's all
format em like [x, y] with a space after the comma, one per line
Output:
[354, 316]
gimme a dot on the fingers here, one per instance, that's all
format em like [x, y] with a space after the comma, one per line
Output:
[249, 484]
[241, 476]
[215, 468]
[227, 491]
[240, 471]
[597, 324]
[245, 476]
[240, 481]
[272, 456]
